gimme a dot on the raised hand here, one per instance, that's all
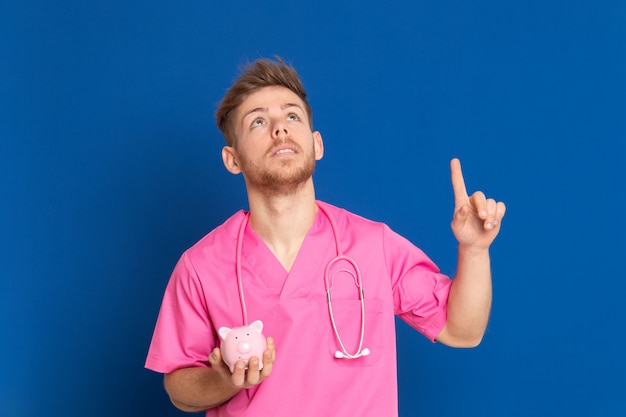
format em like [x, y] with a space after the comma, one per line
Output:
[476, 221]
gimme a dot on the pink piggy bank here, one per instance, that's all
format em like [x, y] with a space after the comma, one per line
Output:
[242, 343]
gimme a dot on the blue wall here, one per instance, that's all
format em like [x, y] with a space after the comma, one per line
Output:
[110, 168]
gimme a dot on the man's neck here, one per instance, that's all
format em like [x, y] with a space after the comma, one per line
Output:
[282, 221]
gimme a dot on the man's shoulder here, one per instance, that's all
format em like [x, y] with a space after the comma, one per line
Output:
[220, 238]
[348, 219]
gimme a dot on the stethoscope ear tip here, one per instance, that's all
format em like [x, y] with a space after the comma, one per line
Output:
[365, 352]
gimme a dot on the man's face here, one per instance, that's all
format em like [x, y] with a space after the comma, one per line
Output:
[275, 147]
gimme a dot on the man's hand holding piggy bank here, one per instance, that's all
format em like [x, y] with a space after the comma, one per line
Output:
[242, 344]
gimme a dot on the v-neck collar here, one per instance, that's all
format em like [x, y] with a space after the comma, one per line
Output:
[260, 261]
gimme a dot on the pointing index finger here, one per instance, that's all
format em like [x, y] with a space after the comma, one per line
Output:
[458, 183]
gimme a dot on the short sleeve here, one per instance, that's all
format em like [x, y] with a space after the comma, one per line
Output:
[420, 290]
[183, 335]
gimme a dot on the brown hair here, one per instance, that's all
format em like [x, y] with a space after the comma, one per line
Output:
[254, 76]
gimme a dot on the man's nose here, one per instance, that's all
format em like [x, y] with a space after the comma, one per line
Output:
[279, 130]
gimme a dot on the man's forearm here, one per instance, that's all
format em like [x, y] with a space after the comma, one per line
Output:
[469, 302]
[198, 389]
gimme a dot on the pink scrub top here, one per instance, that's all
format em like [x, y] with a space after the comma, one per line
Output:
[307, 379]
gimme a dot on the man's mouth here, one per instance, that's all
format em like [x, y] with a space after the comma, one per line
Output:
[284, 149]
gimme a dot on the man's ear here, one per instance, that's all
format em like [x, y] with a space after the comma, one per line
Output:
[318, 145]
[229, 158]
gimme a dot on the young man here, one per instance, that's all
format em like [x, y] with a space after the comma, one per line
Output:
[320, 361]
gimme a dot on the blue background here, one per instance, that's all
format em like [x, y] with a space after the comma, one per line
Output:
[110, 168]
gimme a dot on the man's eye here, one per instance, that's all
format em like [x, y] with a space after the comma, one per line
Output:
[257, 122]
[293, 116]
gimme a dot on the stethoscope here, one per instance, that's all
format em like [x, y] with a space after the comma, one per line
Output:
[328, 283]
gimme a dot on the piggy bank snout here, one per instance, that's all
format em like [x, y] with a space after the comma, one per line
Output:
[244, 346]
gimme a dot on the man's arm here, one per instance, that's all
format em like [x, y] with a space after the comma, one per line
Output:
[475, 224]
[469, 301]
[197, 389]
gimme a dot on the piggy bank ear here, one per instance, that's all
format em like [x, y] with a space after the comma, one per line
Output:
[223, 331]
[257, 325]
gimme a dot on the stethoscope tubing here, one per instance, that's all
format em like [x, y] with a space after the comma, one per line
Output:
[327, 285]
[242, 229]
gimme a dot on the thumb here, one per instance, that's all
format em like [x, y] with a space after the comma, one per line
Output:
[215, 358]
[462, 213]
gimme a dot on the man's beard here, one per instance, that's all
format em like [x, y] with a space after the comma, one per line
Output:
[283, 179]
